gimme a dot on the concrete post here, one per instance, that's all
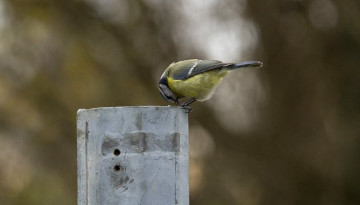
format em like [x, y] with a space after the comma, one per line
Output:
[133, 156]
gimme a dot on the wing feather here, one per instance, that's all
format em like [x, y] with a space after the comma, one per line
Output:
[186, 69]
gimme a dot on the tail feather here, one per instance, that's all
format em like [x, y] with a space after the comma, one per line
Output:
[245, 64]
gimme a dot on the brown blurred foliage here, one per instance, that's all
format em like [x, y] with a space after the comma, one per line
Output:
[285, 134]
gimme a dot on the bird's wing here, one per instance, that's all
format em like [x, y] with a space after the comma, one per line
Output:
[194, 67]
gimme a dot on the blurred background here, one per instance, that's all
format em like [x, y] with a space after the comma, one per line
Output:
[285, 134]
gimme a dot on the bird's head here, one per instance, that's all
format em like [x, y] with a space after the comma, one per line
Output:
[165, 91]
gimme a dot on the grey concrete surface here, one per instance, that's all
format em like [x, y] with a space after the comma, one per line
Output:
[133, 156]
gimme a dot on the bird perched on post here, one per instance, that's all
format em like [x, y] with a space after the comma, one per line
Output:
[196, 79]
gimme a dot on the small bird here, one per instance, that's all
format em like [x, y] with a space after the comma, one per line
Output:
[196, 79]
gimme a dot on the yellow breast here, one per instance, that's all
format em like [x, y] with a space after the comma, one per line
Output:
[200, 86]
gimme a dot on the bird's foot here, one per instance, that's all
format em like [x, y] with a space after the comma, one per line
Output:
[187, 109]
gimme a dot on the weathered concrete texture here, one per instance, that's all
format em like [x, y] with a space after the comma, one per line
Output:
[133, 156]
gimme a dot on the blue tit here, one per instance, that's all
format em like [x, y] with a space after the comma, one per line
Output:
[196, 79]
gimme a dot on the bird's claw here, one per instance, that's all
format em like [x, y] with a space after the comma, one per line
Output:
[187, 109]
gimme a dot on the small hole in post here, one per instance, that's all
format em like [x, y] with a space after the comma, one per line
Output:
[117, 167]
[117, 152]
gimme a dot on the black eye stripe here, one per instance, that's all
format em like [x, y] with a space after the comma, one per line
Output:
[163, 94]
[161, 90]
[166, 93]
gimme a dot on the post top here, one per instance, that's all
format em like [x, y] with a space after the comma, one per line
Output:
[169, 107]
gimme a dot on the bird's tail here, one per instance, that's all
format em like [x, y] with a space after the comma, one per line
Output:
[245, 64]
